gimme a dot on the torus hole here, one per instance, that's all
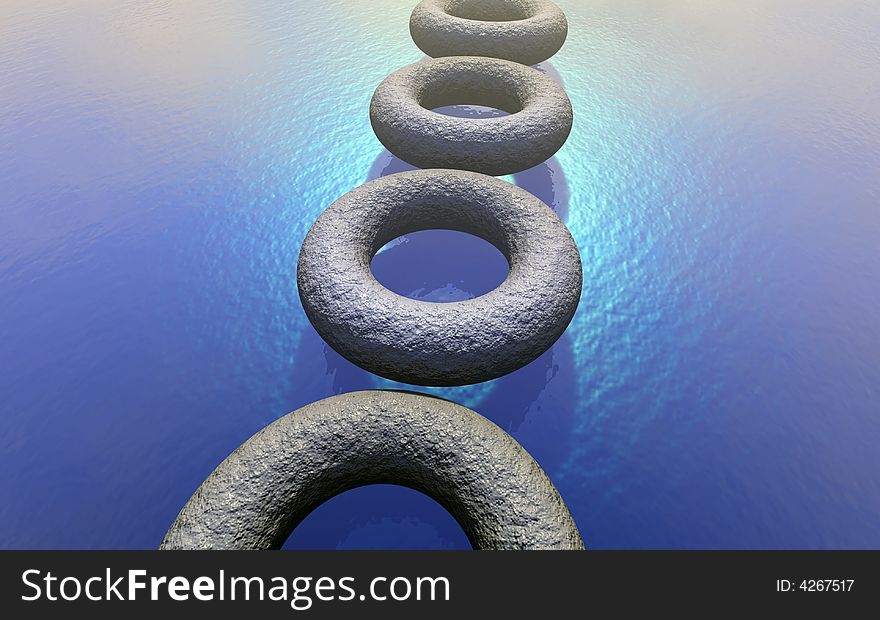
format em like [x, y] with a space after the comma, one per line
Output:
[379, 516]
[440, 266]
[489, 10]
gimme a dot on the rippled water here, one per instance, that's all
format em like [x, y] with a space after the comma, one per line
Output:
[161, 161]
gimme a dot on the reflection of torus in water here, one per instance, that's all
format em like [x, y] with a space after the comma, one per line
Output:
[546, 181]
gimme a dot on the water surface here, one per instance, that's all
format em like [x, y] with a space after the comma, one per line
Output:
[161, 162]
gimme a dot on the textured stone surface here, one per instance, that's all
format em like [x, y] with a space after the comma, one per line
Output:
[525, 31]
[500, 496]
[538, 125]
[429, 343]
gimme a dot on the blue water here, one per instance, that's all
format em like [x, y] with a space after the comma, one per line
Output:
[161, 162]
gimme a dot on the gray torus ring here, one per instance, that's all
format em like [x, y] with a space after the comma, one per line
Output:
[439, 344]
[525, 31]
[538, 123]
[495, 490]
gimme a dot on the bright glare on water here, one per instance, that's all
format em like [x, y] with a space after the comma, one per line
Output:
[162, 160]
